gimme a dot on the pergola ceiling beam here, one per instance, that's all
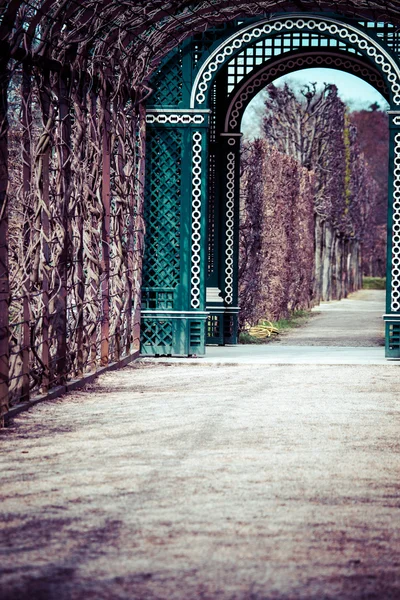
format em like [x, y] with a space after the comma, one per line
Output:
[134, 39]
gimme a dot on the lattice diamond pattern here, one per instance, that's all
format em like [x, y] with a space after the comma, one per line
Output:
[162, 209]
[202, 42]
[156, 332]
[167, 83]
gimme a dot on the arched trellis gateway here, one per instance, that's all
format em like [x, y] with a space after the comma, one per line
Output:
[200, 97]
[80, 83]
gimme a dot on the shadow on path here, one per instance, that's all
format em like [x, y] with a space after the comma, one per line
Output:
[207, 481]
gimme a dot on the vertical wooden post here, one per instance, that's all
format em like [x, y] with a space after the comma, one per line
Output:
[131, 239]
[122, 230]
[80, 295]
[93, 283]
[80, 150]
[4, 275]
[45, 234]
[139, 224]
[65, 141]
[26, 178]
[45, 269]
[105, 283]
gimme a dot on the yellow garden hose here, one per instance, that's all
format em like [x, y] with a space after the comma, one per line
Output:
[264, 329]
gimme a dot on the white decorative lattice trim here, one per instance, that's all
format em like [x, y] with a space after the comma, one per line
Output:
[230, 212]
[396, 120]
[196, 220]
[323, 25]
[175, 119]
[270, 72]
[395, 299]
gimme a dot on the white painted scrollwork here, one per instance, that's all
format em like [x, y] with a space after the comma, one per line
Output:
[230, 208]
[323, 25]
[395, 299]
[196, 219]
[174, 119]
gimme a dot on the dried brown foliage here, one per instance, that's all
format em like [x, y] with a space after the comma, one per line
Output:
[373, 139]
[276, 235]
[309, 204]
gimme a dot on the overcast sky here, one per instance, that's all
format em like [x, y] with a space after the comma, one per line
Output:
[354, 91]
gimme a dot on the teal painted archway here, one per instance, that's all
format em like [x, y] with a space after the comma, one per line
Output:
[190, 289]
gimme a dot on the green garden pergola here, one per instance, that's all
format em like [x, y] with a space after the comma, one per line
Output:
[193, 139]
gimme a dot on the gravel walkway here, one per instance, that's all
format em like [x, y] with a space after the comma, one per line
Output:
[212, 482]
[355, 321]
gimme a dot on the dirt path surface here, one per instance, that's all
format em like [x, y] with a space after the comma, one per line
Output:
[185, 482]
[200, 481]
[355, 321]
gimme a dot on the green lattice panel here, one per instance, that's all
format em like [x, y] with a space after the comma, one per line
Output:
[202, 42]
[276, 45]
[386, 32]
[155, 299]
[167, 82]
[162, 209]
[156, 336]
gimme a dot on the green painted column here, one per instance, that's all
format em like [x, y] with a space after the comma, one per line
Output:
[230, 144]
[392, 316]
[222, 289]
[173, 296]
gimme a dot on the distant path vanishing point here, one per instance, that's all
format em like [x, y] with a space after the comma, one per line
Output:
[353, 321]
